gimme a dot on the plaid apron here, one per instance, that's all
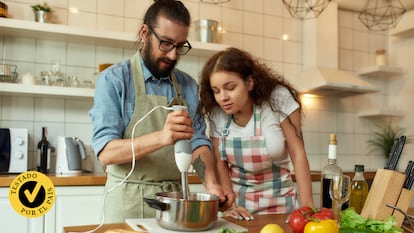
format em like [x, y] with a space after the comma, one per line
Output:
[260, 185]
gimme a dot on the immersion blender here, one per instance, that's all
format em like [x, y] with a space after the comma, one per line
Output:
[183, 157]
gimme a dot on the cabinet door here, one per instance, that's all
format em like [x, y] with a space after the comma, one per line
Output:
[75, 205]
[11, 221]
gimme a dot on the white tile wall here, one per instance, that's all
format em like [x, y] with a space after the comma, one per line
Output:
[256, 26]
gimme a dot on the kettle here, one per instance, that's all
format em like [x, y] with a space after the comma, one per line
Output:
[70, 152]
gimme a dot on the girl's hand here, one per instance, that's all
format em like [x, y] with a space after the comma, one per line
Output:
[239, 212]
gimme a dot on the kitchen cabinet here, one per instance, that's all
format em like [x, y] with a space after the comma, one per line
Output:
[11, 221]
[29, 29]
[380, 72]
[74, 205]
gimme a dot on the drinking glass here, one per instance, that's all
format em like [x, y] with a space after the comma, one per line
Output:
[339, 191]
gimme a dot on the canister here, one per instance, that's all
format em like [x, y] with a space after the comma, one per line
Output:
[380, 57]
[208, 31]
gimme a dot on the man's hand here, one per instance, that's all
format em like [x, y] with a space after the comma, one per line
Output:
[226, 197]
[178, 125]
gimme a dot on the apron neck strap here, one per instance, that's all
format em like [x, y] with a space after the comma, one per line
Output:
[257, 113]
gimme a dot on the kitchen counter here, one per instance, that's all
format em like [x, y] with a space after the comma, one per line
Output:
[252, 226]
[86, 179]
[90, 179]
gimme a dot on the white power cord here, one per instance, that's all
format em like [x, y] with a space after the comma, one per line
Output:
[130, 172]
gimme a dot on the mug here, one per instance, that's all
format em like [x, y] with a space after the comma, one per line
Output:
[28, 79]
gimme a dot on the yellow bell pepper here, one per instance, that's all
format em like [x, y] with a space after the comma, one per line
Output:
[322, 226]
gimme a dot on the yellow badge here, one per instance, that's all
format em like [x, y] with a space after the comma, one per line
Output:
[32, 194]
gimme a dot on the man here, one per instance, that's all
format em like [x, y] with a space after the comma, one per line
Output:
[126, 92]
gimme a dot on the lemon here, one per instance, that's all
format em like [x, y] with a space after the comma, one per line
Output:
[272, 228]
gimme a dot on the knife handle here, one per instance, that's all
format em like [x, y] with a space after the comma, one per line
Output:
[391, 154]
[398, 151]
[409, 173]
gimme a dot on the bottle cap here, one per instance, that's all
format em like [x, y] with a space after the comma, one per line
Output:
[332, 138]
[359, 168]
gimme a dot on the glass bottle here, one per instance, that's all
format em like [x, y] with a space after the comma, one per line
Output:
[43, 148]
[327, 173]
[359, 190]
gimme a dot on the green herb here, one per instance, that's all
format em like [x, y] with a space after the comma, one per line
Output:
[227, 230]
[42, 7]
[351, 221]
[383, 139]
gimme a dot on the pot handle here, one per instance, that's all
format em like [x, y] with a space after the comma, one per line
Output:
[156, 204]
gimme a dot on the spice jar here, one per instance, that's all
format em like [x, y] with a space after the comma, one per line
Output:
[380, 57]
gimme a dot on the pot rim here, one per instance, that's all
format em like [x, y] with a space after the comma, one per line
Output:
[193, 196]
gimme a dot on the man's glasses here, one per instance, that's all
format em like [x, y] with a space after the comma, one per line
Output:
[167, 46]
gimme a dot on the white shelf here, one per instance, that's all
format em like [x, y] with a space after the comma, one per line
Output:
[30, 29]
[380, 113]
[404, 28]
[404, 32]
[16, 89]
[380, 71]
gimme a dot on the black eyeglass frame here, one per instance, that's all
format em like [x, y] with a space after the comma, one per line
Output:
[168, 45]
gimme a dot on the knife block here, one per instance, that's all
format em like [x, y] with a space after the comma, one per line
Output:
[387, 188]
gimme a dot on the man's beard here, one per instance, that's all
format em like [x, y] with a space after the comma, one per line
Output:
[152, 63]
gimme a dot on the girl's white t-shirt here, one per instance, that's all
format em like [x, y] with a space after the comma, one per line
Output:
[270, 125]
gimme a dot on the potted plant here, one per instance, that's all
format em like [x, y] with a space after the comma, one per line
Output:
[42, 12]
[384, 138]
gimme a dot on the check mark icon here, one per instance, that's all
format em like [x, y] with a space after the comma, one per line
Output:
[32, 195]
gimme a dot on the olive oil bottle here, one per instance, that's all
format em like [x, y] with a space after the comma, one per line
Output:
[359, 189]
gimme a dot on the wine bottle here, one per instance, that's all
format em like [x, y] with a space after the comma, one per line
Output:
[359, 189]
[43, 148]
[327, 173]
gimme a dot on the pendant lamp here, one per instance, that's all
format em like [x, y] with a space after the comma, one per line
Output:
[305, 9]
[381, 15]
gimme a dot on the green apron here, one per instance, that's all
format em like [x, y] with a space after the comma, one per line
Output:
[156, 172]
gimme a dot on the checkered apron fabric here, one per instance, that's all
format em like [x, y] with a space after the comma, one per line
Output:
[261, 186]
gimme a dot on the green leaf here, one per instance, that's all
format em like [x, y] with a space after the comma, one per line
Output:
[42, 7]
[351, 221]
[383, 139]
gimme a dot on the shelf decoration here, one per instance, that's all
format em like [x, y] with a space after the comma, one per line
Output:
[384, 138]
[381, 15]
[305, 9]
[43, 12]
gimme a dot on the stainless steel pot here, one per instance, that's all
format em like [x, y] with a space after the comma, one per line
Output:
[197, 213]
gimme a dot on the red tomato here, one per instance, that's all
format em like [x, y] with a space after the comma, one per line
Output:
[323, 213]
[300, 217]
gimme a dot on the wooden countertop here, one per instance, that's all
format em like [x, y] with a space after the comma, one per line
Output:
[253, 226]
[90, 179]
[87, 179]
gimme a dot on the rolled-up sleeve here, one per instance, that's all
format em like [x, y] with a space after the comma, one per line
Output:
[111, 102]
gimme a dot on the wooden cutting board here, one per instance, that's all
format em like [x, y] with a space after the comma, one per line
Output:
[152, 226]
